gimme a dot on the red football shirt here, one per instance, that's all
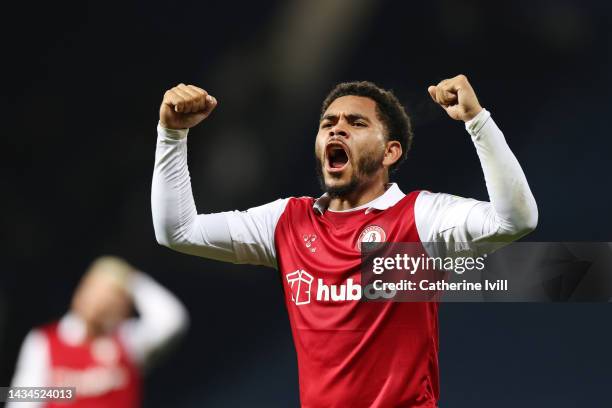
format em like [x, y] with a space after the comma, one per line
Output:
[352, 353]
[101, 371]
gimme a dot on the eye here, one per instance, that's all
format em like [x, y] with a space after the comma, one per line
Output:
[360, 124]
[325, 125]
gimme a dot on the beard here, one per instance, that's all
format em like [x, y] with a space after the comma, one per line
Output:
[367, 165]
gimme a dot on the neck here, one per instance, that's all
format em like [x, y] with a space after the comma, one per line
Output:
[363, 194]
[90, 330]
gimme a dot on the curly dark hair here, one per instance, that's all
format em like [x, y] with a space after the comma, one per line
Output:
[388, 108]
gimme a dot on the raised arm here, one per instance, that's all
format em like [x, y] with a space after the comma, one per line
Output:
[511, 212]
[233, 236]
[162, 318]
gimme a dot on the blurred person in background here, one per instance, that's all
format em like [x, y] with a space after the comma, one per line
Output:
[350, 353]
[99, 347]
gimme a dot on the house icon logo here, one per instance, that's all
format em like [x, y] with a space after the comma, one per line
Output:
[300, 282]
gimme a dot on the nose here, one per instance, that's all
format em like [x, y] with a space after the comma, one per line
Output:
[338, 130]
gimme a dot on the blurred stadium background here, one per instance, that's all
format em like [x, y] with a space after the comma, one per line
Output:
[84, 85]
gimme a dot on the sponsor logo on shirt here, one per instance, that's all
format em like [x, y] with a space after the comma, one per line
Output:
[92, 381]
[300, 282]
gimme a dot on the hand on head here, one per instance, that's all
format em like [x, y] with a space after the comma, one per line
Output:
[102, 299]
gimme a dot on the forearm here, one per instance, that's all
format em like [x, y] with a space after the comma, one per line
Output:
[175, 220]
[513, 211]
[172, 203]
[162, 317]
[157, 304]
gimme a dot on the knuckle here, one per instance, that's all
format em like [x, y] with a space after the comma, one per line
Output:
[200, 91]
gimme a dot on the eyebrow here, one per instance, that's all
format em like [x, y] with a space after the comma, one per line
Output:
[351, 117]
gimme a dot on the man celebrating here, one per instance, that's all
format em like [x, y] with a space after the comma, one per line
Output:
[350, 353]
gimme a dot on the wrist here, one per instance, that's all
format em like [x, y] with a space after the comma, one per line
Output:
[173, 134]
[472, 113]
[165, 125]
[474, 125]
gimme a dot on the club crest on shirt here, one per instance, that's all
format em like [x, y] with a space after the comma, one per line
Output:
[371, 233]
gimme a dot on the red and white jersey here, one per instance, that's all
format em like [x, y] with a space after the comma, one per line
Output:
[350, 353]
[100, 370]
[105, 371]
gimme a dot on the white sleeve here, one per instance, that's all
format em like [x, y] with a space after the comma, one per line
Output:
[162, 318]
[233, 236]
[511, 213]
[32, 367]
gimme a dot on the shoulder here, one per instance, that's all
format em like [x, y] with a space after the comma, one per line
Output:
[36, 340]
[298, 204]
[412, 196]
[47, 329]
[301, 201]
[438, 212]
[272, 209]
[427, 200]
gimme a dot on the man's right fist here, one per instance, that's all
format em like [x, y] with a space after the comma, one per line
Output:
[184, 106]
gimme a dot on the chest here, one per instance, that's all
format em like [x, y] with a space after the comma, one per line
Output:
[330, 243]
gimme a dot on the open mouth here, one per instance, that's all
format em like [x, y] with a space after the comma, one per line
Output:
[337, 157]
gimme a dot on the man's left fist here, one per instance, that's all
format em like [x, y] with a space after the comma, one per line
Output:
[457, 98]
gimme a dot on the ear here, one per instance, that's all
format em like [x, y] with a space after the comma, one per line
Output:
[393, 152]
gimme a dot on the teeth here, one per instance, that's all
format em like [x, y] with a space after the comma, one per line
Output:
[334, 149]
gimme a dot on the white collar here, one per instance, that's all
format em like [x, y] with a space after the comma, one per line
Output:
[72, 329]
[389, 198]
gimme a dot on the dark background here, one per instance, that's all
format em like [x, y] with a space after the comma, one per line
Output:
[82, 86]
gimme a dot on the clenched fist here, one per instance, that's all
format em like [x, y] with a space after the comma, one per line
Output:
[457, 98]
[184, 106]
